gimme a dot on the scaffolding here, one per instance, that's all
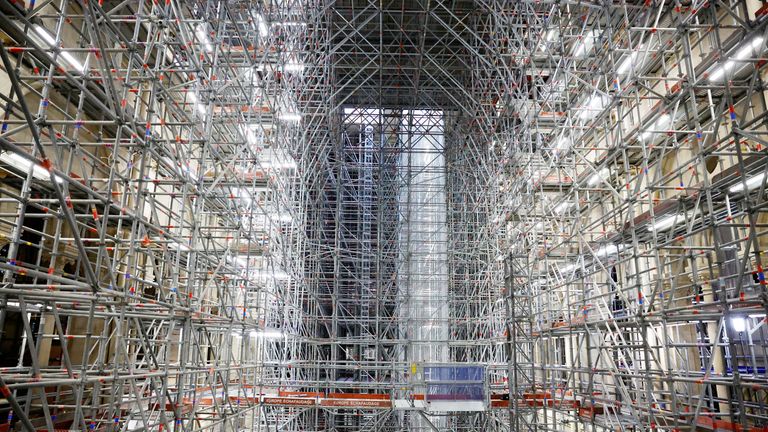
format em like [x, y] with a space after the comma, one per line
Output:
[635, 233]
[153, 213]
[311, 215]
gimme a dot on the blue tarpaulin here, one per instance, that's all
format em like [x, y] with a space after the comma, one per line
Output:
[455, 382]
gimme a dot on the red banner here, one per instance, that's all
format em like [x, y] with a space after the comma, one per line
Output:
[288, 401]
[356, 403]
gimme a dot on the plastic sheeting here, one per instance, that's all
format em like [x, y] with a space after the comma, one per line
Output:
[423, 236]
[423, 277]
[455, 383]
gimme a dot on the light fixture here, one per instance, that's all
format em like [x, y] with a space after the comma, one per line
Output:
[193, 99]
[562, 207]
[293, 66]
[668, 222]
[239, 261]
[51, 41]
[598, 177]
[186, 171]
[748, 50]
[580, 49]
[280, 275]
[200, 31]
[739, 324]
[626, 64]
[277, 274]
[608, 250]
[290, 24]
[757, 315]
[253, 134]
[570, 268]
[720, 71]
[248, 77]
[585, 44]
[243, 195]
[24, 165]
[276, 159]
[288, 164]
[30, 307]
[270, 333]
[289, 116]
[631, 59]
[179, 246]
[563, 143]
[285, 217]
[593, 106]
[660, 124]
[250, 136]
[550, 37]
[262, 25]
[751, 183]
[665, 223]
